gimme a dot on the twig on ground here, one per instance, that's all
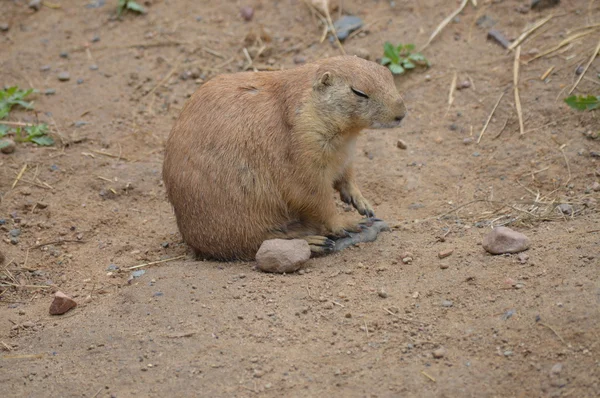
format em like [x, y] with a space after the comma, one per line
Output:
[404, 319]
[524, 35]
[490, 117]
[158, 262]
[553, 331]
[445, 22]
[593, 57]
[428, 376]
[19, 176]
[516, 86]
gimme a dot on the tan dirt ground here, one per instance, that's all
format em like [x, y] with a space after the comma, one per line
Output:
[189, 328]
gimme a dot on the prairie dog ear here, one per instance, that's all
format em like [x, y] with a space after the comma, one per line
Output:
[325, 79]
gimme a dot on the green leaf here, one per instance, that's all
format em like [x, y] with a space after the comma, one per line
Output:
[396, 69]
[582, 103]
[409, 47]
[385, 61]
[13, 96]
[3, 130]
[390, 52]
[43, 141]
[407, 64]
[133, 6]
[38, 130]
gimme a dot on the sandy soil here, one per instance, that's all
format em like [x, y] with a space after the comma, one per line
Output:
[505, 327]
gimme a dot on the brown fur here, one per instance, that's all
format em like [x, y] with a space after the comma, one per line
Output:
[255, 156]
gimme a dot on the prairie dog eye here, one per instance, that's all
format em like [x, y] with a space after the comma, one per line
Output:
[359, 93]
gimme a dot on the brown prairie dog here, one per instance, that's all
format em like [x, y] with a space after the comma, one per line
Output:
[256, 156]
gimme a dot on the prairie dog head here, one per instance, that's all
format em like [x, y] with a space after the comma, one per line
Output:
[355, 93]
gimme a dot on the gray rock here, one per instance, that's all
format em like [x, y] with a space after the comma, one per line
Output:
[557, 368]
[596, 186]
[93, 67]
[498, 38]
[504, 240]
[7, 146]
[282, 255]
[565, 209]
[14, 232]
[50, 91]
[447, 303]
[64, 76]
[346, 25]
[4, 27]
[35, 4]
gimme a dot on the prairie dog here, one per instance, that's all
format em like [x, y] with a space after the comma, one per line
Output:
[259, 155]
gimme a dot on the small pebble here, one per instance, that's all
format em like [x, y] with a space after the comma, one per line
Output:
[523, 257]
[79, 81]
[407, 260]
[468, 141]
[96, 38]
[93, 67]
[401, 144]
[444, 266]
[447, 303]
[35, 4]
[64, 54]
[299, 59]
[596, 186]
[14, 232]
[4, 27]
[463, 85]
[557, 368]
[64, 76]
[382, 293]
[565, 209]
[508, 353]
[50, 91]
[439, 353]
[247, 13]
[445, 253]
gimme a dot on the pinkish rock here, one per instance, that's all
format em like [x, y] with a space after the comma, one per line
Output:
[504, 240]
[282, 255]
[247, 13]
[61, 304]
